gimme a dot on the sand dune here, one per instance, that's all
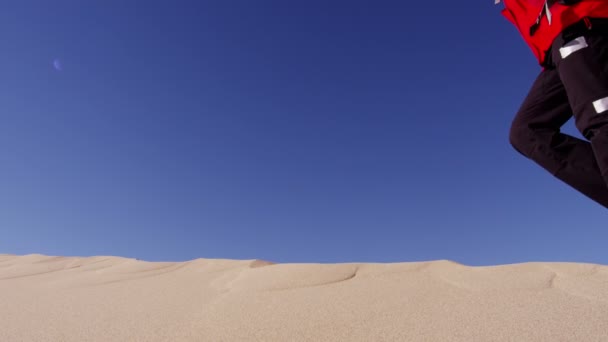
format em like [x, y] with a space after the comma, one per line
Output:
[105, 298]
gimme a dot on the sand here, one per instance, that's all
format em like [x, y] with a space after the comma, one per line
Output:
[105, 298]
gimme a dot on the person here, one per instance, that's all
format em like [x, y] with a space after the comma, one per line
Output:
[569, 39]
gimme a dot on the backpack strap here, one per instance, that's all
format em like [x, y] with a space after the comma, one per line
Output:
[545, 11]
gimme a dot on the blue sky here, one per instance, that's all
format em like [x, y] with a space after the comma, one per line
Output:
[309, 131]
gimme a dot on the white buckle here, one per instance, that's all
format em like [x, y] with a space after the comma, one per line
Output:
[601, 105]
[573, 46]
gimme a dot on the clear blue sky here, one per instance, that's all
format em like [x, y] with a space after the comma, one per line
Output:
[291, 131]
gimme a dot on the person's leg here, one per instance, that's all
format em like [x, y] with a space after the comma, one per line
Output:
[535, 133]
[581, 58]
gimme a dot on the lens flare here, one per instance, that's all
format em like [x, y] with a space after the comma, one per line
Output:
[57, 65]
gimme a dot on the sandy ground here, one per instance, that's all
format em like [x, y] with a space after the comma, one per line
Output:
[104, 298]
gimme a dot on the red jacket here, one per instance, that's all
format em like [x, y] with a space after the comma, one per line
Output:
[524, 13]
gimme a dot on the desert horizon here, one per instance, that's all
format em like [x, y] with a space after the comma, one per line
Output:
[108, 298]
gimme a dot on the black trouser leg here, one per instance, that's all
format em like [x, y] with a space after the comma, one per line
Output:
[581, 59]
[576, 84]
[535, 133]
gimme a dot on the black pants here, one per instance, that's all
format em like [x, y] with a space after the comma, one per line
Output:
[573, 84]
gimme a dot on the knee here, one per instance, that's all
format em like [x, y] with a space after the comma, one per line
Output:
[594, 131]
[521, 138]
